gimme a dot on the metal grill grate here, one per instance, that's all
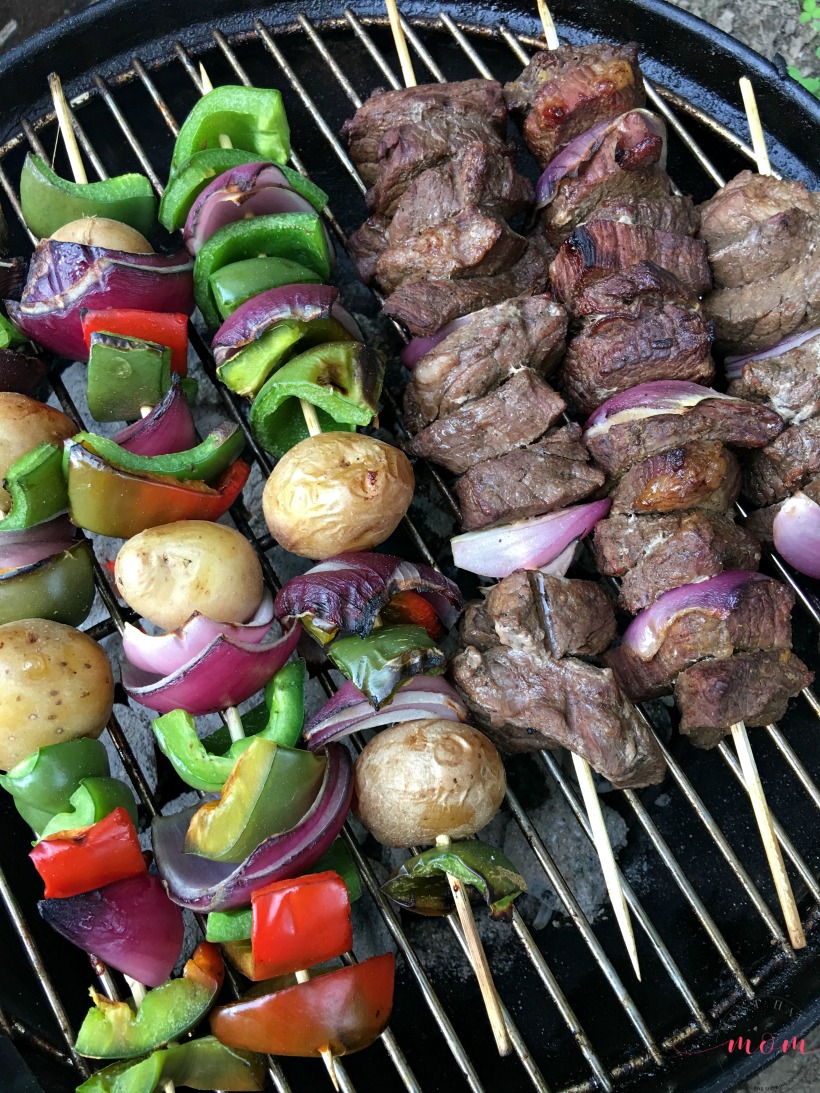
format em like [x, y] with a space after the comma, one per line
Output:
[733, 971]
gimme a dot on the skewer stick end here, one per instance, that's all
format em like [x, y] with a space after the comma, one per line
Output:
[66, 127]
[550, 33]
[764, 166]
[405, 60]
[204, 79]
[330, 1064]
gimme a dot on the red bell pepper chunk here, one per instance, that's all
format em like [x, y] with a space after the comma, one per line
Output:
[72, 862]
[301, 922]
[413, 609]
[343, 1010]
[169, 329]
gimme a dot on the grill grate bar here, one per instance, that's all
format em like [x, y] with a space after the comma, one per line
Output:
[466, 46]
[421, 50]
[375, 54]
[128, 133]
[789, 754]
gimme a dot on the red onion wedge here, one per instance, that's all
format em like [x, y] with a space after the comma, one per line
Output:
[648, 400]
[345, 594]
[569, 160]
[526, 544]
[733, 366]
[796, 533]
[416, 348]
[163, 654]
[224, 673]
[348, 711]
[22, 548]
[226, 207]
[204, 885]
[64, 278]
[130, 924]
[716, 595]
[168, 428]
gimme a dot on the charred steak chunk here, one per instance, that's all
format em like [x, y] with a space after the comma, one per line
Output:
[788, 463]
[760, 619]
[621, 442]
[624, 291]
[766, 249]
[514, 414]
[752, 687]
[788, 382]
[527, 701]
[531, 481]
[612, 353]
[494, 343]
[670, 213]
[602, 247]
[699, 475]
[652, 554]
[748, 201]
[566, 91]
[425, 306]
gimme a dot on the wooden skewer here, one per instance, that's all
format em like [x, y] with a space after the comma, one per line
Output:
[66, 128]
[764, 167]
[405, 60]
[138, 993]
[550, 33]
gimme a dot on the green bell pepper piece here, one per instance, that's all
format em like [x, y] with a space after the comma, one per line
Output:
[205, 462]
[270, 789]
[207, 764]
[10, 334]
[343, 380]
[252, 117]
[249, 369]
[46, 779]
[378, 663]
[92, 801]
[233, 285]
[421, 885]
[37, 488]
[60, 588]
[299, 237]
[125, 374]
[187, 183]
[198, 1064]
[49, 201]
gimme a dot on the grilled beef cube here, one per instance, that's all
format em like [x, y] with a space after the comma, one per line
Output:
[766, 249]
[542, 614]
[652, 554]
[494, 343]
[761, 522]
[602, 247]
[788, 382]
[785, 465]
[748, 201]
[425, 306]
[627, 162]
[649, 341]
[624, 291]
[699, 475]
[618, 445]
[530, 481]
[514, 414]
[760, 619]
[441, 107]
[566, 91]
[367, 244]
[761, 314]
[670, 213]
[528, 701]
[469, 245]
[476, 627]
[753, 687]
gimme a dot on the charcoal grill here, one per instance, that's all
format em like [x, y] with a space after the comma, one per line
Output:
[716, 961]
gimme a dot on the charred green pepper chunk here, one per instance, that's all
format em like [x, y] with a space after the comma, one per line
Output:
[60, 588]
[37, 488]
[378, 663]
[205, 462]
[92, 801]
[253, 118]
[124, 375]
[46, 779]
[343, 380]
[233, 285]
[198, 1064]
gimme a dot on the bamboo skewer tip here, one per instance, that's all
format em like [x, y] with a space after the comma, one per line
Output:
[66, 128]
[550, 33]
[405, 60]
[747, 92]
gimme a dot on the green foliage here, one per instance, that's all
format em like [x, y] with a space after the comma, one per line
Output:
[809, 13]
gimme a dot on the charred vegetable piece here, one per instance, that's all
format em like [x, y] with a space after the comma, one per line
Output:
[420, 884]
[92, 801]
[252, 117]
[344, 1010]
[343, 380]
[189, 180]
[20, 372]
[202, 463]
[37, 488]
[300, 923]
[60, 588]
[125, 374]
[378, 663]
[410, 607]
[110, 501]
[196, 1064]
[10, 335]
[49, 201]
[46, 779]
[112, 1030]
[269, 791]
[77, 861]
[161, 327]
[239, 282]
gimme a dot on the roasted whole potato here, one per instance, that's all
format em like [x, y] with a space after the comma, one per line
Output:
[422, 779]
[99, 231]
[55, 684]
[168, 572]
[25, 423]
[336, 492]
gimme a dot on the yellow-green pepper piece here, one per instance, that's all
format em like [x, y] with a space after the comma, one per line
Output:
[253, 118]
[60, 588]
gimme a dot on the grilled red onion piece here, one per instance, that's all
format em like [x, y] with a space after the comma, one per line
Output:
[130, 924]
[569, 160]
[224, 673]
[227, 206]
[205, 885]
[348, 711]
[649, 399]
[718, 595]
[346, 593]
[796, 531]
[416, 348]
[168, 428]
[733, 366]
[21, 548]
[527, 544]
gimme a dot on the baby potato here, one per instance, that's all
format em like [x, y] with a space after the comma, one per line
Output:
[25, 423]
[55, 684]
[422, 779]
[99, 231]
[168, 572]
[336, 492]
